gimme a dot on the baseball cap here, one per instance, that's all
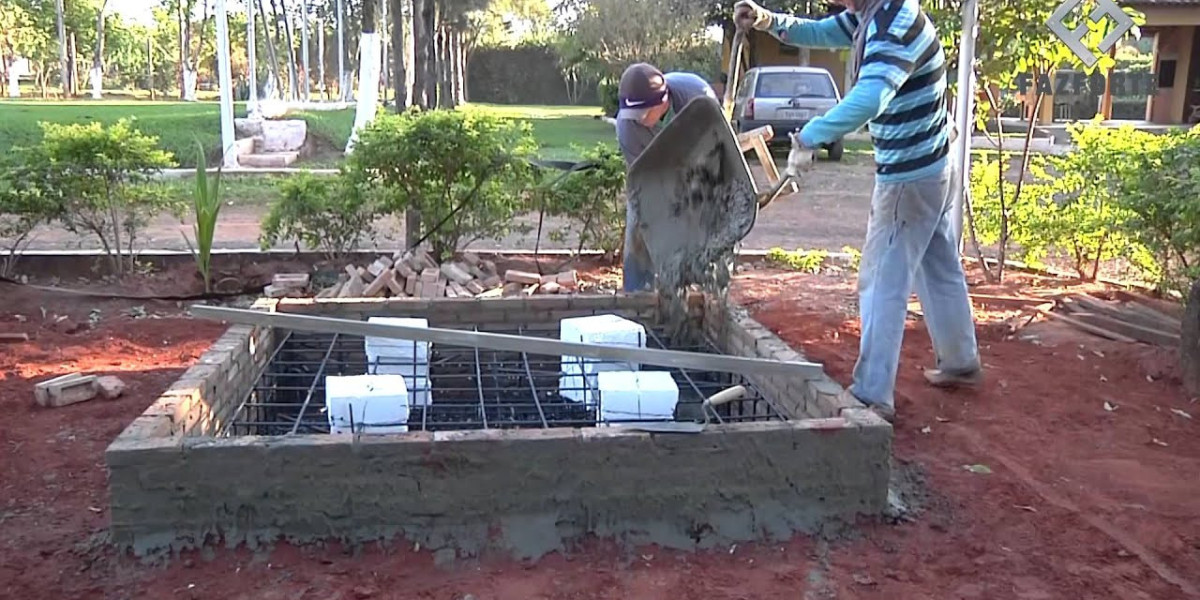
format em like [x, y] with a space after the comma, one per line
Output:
[642, 87]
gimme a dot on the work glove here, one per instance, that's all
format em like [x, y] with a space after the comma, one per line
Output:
[801, 157]
[747, 15]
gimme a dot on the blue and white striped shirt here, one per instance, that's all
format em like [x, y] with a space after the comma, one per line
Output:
[900, 93]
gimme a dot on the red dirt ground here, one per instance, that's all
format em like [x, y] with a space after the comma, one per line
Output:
[1080, 502]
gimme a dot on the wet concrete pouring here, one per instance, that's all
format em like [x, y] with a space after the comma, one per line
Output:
[520, 485]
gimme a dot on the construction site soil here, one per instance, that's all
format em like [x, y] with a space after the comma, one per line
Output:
[1071, 474]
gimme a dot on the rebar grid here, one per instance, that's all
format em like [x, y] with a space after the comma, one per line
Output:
[468, 388]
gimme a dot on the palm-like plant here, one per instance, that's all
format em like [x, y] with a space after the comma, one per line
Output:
[206, 202]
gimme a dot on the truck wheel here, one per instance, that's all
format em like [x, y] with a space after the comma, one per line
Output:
[836, 150]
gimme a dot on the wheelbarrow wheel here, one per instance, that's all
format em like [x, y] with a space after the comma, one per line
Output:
[836, 150]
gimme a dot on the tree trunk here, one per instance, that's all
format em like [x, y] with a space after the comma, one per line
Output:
[399, 73]
[385, 41]
[97, 73]
[1189, 349]
[445, 98]
[65, 68]
[430, 16]
[304, 53]
[420, 95]
[343, 92]
[285, 36]
[321, 59]
[73, 64]
[368, 78]
[273, 67]
[460, 69]
[252, 109]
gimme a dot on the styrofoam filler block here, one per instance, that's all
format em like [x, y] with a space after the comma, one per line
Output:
[578, 379]
[627, 395]
[407, 358]
[379, 403]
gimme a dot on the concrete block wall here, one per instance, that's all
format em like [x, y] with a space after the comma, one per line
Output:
[736, 332]
[526, 492]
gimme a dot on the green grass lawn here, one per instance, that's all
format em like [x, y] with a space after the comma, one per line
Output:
[178, 125]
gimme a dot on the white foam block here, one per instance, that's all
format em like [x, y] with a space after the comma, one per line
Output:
[407, 358]
[379, 403]
[578, 378]
[626, 395]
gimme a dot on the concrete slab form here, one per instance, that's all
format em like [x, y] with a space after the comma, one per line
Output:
[176, 482]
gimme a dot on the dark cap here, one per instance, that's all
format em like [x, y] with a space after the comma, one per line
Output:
[642, 86]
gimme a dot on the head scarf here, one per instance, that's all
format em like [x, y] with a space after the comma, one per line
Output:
[865, 11]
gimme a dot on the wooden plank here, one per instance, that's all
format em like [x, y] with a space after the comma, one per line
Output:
[1172, 310]
[746, 139]
[513, 343]
[1100, 331]
[1129, 313]
[1125, 328]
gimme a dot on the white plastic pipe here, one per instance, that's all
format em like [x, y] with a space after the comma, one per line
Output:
[225, 79]
[964, 115]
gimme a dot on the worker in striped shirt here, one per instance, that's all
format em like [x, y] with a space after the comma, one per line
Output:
[899, 93]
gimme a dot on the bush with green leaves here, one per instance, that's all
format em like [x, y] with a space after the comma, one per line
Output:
[609, 97]
[591, 201]
[24, 205]
[329, 213]
[1160, 193]
[465, 173]
[99, 178]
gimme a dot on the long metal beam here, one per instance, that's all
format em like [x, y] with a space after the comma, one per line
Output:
[513, 343]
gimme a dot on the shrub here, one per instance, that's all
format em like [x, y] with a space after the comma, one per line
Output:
[24, 206]
[1160, 186]
[592, 201]
[99, 178]
[464, 172]
[609, 97]
[808, 261]
[330, 214]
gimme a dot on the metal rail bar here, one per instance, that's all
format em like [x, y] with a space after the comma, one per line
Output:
[532, 386]
[313, 388]
[496, 341]
[479, 386]
[265, 368]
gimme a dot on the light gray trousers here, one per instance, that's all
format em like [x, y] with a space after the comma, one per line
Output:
[910, 243]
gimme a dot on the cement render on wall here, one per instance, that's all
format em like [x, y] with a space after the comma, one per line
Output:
[521, 491]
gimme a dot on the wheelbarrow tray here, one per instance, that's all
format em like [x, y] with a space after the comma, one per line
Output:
[693, 196]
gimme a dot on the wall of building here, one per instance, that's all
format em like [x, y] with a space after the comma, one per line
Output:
[764, 50]
[1170, 104]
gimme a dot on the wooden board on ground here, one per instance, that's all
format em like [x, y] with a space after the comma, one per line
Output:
[514, 343]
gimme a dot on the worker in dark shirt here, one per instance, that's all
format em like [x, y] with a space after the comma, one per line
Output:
[646, 96]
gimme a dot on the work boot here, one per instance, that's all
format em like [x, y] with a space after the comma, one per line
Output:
[885, 412]
[950, 379]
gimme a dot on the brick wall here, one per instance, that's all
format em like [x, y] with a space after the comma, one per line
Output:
[736, 332]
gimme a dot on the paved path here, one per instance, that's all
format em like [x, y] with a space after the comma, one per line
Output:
[829, 212]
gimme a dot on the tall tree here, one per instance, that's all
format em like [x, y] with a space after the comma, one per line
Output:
[68, 88]
[304, 50]
[420, 95]
[97, 72]
[399, 72]
[343, 77]
[275, 84]
[368, 79]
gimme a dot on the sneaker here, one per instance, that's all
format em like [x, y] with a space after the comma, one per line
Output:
[947, 379]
